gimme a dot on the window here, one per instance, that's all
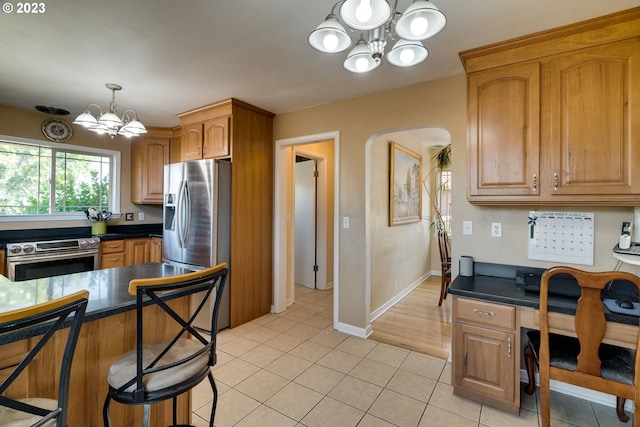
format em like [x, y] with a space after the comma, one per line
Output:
[444, 198]
[41, 180]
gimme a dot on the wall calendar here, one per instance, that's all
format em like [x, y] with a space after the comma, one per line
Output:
[561, 237]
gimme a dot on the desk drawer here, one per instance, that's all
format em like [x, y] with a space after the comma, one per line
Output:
[486, 313]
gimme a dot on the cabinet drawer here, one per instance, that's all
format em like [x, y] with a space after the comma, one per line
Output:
[486, 313]
[112, 260]
[112, 246]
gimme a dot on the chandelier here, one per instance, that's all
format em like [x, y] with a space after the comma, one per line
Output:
[108, 122]
[377, 21]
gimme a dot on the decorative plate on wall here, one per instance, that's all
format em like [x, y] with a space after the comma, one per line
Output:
[56, 130]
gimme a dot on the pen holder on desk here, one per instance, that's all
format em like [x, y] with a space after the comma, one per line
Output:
[466, 266]
[98, 228]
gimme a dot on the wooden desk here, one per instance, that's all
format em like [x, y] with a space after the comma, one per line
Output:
[488, 314]
[108, 332]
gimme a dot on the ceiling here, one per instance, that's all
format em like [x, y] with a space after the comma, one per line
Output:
[172, 56]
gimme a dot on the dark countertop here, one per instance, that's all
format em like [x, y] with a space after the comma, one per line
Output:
[497, 283]
[108, 290]
[115, 232]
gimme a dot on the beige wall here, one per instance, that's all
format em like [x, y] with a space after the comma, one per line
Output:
[440, 103]
[395, 267]
[28, 124]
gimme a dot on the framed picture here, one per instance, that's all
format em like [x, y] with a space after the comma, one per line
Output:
[405, 185]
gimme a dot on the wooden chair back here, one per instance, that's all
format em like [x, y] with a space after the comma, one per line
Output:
[42, 321]
[443, 245]
[445, 264]
[590, 326]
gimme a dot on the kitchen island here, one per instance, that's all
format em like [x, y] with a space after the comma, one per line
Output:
[107, 333]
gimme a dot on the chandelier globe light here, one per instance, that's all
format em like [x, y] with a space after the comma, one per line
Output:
[108, 122]
[378, 22]
[360, 59]
[421, 20]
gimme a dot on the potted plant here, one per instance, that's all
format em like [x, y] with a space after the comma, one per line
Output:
[442, 160]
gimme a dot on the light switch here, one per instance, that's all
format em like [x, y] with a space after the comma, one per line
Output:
[345, 222]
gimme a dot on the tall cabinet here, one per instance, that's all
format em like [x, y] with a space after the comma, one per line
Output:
[244, 133]
[554, 117]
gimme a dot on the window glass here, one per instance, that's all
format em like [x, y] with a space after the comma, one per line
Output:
[55, 180]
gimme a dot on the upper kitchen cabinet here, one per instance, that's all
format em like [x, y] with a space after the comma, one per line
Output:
[149, 153]
[244, 133]
[554, 118]
[209, 139]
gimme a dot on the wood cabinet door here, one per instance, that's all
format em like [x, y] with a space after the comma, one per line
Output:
[155, 251]
[216, 138]
[137, 251]
[148, 157]
[485, 361]
[191, 142]
[503, 131]
[595, 121]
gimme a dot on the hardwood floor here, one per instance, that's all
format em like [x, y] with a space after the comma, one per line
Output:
[417, 323]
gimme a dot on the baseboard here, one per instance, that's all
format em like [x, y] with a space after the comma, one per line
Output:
[579, 392]
[354, 330]
[386, 306]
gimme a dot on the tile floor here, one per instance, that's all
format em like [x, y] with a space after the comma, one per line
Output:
[293, 369]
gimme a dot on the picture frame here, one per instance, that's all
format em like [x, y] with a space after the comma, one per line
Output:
[405, 185]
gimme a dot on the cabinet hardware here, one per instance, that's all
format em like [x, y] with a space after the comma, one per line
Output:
[509, 347]
[484, 313]
[114, 259]
[535, 182]
[555, 181]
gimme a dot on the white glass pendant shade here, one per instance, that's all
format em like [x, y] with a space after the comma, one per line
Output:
[406, 53]
[85, 119]
[330, 36]
[110, 120]
[365, 14]
[421, 20]
[360, 60]
[133, 128]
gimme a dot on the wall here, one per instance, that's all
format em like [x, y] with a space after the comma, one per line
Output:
[442, 103]
[358, 120]
[399, 254]
[28, 124]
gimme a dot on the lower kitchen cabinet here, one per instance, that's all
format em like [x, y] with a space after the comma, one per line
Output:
[112, 253]
[155, 251]
[3, 264]
[136, 251]
[485, 353]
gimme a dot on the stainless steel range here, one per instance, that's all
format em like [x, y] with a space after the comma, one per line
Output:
[33, 260]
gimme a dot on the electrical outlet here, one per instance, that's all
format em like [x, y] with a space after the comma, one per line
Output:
[496, 229]
[141, 216]
[467, 228]
[128, 216]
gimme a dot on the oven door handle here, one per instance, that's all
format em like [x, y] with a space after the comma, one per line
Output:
[49, 257]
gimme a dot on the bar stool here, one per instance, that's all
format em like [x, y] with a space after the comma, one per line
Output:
[42, 320]
[158, 371]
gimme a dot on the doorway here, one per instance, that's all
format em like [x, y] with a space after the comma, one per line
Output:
[322, 149]
[305, 243]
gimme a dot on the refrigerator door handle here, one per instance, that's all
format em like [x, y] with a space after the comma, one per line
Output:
[182, 214]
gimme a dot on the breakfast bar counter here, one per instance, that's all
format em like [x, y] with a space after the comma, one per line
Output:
[108, 332]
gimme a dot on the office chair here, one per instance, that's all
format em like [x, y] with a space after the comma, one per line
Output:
[42, 320]
[584, 361]
[157, 371]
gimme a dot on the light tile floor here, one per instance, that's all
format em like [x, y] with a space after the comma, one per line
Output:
[293, 369]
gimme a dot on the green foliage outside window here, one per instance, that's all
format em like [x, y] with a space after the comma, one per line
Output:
[27, 172]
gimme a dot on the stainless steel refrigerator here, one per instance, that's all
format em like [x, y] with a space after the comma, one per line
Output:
[197, 223]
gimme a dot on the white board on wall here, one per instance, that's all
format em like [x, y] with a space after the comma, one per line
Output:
[564, 237]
